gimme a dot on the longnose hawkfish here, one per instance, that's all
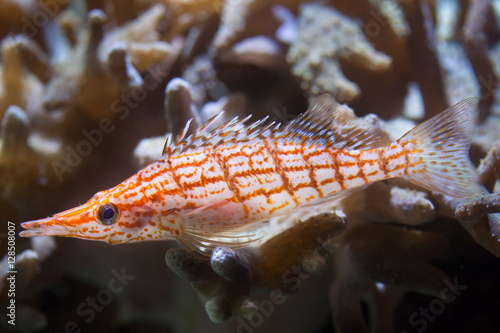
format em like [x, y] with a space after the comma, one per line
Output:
[210, 187]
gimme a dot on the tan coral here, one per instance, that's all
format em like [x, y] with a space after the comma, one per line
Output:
[179, 108]
[477, 207]
[24, 164]
[306, 247]
[70, 83]
[186, 14]
[141, 39]
[225, 295]
[27, 263]
[16, 16]
[202, 77]
[326, 37]
[402, 205]
[226, 280]
[104, 64]
[76, 72]
[27, 141]
[392, 11]
[489, 167]
[18, 86]
[235, 19]
[480, 216]
[422, 54]
[260, 51]
[475, 39]
[181, 7]
[375, 264]
[401, 246]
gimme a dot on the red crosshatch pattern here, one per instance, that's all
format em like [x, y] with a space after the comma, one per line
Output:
[210, 188]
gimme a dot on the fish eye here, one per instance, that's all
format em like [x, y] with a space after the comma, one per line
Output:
[108, 214]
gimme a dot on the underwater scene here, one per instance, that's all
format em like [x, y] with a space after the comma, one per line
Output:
[249, 166]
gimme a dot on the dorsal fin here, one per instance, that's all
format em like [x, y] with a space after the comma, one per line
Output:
[180, 138]
[204, 131]
[211, 133]
[326, 122]
[336, 125]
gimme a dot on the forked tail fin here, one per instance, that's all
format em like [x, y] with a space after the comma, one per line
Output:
[439, 158]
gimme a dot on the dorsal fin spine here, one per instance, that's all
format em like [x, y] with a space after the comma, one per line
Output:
[185, 130]
[317, 126]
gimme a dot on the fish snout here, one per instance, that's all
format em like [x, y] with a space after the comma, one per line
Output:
[50, 226]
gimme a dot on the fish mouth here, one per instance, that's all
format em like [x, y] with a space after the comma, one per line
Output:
[49, 226]
[63, 224]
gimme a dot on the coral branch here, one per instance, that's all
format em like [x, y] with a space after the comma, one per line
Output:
[224, 297]
[423, 56]
[226, 280]
[405, 206]
[475, 43]
[480, 216]
[489, 167]
[316, 53]
[365, 269]
[478, 206]
[179, 106]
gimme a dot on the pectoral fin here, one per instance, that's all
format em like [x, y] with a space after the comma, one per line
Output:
[217, 224]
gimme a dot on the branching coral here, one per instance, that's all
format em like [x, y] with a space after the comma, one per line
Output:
[376, 262]
[480, 215]
[226, 280]
[202, 76]
[479, 16]
[179, 108]
[422, 52]
[478, 207]
[324, 37]
[403, 205]
[14, 149]
[260, 51]
[140, 40]
[225, 296]
[14, 14]
[28, 262]
[489, 167]
[236, 16]
[25, 158]
[194, 18]
[117, 58]
[384, 246]
[51, 96]
[18, 86]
